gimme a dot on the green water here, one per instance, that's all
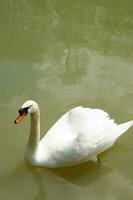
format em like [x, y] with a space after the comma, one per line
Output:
[64, 54]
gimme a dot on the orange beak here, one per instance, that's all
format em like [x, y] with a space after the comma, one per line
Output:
[19, 118]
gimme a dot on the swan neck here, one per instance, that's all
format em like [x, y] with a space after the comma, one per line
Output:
[34, 130]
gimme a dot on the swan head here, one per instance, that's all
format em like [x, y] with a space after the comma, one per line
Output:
[29, 107]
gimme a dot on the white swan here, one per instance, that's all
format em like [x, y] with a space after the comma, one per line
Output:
[78, 136]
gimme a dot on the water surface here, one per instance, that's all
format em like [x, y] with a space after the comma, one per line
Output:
[64, 54]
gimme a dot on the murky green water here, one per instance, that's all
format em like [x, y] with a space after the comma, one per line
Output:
[63, 54]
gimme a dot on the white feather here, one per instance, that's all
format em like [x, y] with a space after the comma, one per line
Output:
[78, 136]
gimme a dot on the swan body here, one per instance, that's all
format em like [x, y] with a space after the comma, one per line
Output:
[78, 136]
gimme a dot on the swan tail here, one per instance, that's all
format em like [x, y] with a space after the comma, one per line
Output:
[122, 128]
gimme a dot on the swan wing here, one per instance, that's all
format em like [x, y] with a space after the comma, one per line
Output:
[79, 135]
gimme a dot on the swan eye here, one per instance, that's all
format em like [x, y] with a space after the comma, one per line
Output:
[23, 110]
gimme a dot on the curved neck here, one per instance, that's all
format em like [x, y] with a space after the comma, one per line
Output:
[34, 137]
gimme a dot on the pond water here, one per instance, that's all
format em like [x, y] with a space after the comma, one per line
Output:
[64, 54]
